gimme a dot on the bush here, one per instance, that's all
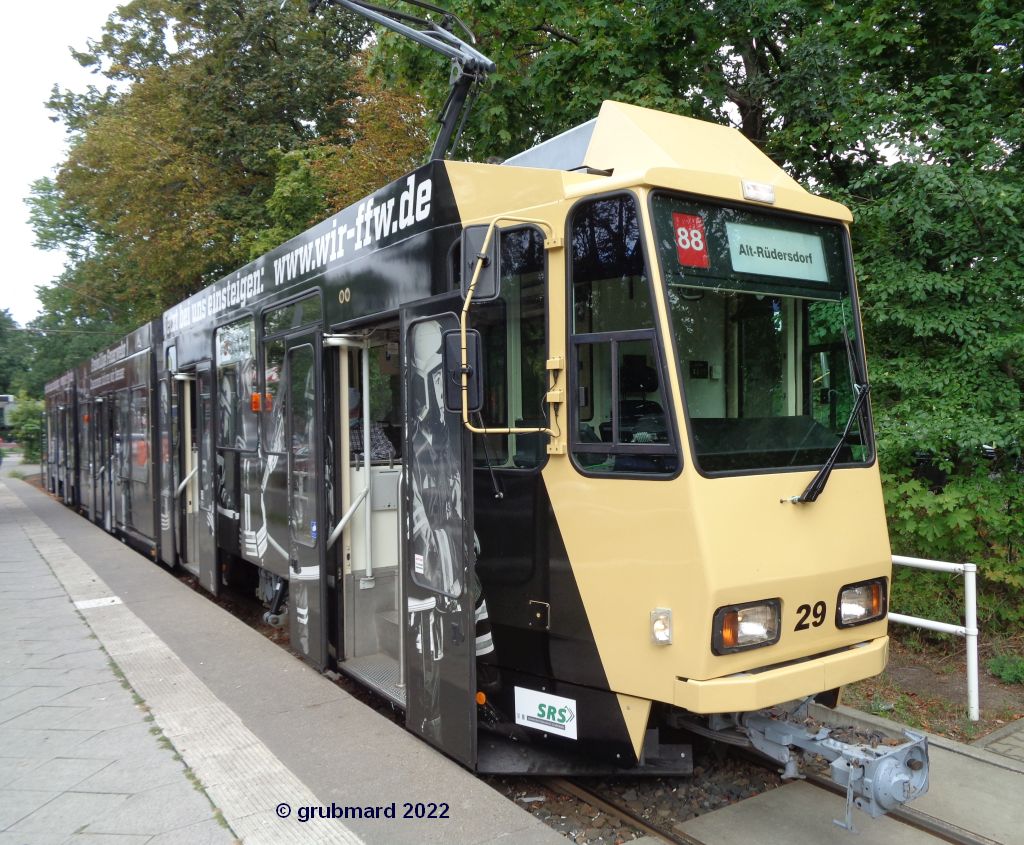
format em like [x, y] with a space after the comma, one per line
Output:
[975, 514]
[1009, 668]
[26, 423]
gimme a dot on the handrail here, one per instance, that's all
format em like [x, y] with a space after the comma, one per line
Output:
[463, 328]
[969, 630]
[185, 481]
[344, 520]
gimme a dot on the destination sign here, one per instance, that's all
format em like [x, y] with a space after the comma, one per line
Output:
[776, 252]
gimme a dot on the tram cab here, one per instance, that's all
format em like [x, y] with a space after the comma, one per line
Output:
[704, 311]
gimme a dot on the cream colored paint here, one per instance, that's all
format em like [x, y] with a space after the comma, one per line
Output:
[693, 543]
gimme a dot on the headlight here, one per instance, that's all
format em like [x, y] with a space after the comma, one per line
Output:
[661, 626]
[860, 603]
[741, 626]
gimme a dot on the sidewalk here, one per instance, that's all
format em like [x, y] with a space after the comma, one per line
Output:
[12, 466]
[1008, 741]
[274, 744]
[80, 758]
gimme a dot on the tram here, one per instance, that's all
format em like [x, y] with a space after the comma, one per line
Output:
[565, 456]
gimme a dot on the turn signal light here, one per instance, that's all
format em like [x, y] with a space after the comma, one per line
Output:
[261, 402]
[860, 603]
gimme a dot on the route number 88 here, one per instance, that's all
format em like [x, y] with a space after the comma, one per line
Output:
[690, 239]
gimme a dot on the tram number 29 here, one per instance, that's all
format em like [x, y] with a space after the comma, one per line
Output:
[811, 617]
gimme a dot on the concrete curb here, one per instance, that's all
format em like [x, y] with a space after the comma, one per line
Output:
[842, 715]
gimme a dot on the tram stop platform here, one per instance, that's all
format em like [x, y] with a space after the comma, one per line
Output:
[135, 710]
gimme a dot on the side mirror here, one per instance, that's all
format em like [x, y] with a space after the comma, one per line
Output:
[452, 361]
[488, 282]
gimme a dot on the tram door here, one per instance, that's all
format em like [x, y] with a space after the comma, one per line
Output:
[86, 460]
[122, 459]
[64, 461]
[104, 462]
[166, 434]
[302, 392]
[196, 501]
[437, 558]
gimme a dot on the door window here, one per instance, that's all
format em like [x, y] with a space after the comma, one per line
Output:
[302, 443]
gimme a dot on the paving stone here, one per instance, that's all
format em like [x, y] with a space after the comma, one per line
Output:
[31, 839]
[166, 808]
[118, 742]
[28, 698]
[41, 744]
[15, 806]
[140, 772]
[12, 768]
[60, 774]
[210, 832]
[36, 677]
[45, 717]
[95, 694]
[90, 659]
[113, 714]
[68, 813]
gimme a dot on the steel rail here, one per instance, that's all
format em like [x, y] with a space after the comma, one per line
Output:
[944, 831]
[610, 808]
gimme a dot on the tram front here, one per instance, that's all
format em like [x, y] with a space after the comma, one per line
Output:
[732, 516]
[708, 547]
[733, 528]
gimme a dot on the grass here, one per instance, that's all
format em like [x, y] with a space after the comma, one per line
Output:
[933, 699]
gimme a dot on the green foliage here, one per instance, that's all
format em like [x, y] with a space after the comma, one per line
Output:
[234, 125]
[27, 427]
[907, 112]
[1009, 668]
[14, 353]
[169, 173]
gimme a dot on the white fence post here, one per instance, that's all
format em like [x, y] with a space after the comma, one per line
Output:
[969, 630]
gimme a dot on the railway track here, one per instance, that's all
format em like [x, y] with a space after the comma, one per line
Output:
[618, 811]
[606, 803]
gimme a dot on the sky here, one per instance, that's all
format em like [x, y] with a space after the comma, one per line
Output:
[36, 55]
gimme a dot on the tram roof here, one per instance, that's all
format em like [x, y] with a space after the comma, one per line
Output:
[642, 146]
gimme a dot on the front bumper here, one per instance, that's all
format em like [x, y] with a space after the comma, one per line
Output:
[757, 690]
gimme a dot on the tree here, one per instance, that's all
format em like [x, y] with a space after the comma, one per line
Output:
[909, 112]
[384, 139]
[170, 169]
[13, 353]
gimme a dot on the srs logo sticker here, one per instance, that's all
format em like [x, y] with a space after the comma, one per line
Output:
[545, 712]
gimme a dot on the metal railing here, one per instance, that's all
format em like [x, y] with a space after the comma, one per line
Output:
[969, 630]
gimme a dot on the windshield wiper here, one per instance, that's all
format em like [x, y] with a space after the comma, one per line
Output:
[862, 389]
[817, 484]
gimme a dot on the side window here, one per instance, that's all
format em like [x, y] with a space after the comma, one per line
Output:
[513, 330]
[384, 386]
[273, 369]
[620, 422]
[139, 435]
[236, 383]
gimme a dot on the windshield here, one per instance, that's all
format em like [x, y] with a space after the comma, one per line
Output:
[759, 304]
